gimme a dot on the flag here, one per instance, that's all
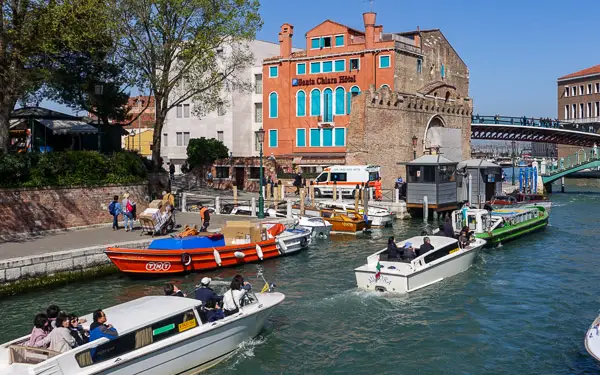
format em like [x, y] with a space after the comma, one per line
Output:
[378, 273]
[265, 288]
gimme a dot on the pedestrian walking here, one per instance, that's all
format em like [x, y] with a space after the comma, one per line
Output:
[298, 182]
[114, 208]
[127, 209]
[172, 171]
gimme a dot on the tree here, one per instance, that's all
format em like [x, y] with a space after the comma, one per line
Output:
[31, 32]
[186, 50]
[203, 152]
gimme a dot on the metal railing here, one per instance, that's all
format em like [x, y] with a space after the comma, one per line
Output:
[581, 157]
[529, 121]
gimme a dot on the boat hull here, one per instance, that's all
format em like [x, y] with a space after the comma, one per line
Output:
[592, 339]
[342, 226]
[508, 234]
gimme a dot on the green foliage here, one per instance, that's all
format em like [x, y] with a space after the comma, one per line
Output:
[70, 168]
[202, 152]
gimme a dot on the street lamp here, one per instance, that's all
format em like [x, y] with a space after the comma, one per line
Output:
[261, 200]
[99, 90]
[513, 143]
[414, 144]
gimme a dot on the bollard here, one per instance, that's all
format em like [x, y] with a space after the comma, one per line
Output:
[334, 191]
[311, 193]
[235, 195]
[184, 202]
[361, 195]
[302, 196]
[217, 205]
[253, 205]
[365, 203]
[356, 196]
[562, 184]
[289, 209]
[396, 195]
[425, 209]
[282, 196]
[276, 194]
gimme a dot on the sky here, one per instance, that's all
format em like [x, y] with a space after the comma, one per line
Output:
[514, 49]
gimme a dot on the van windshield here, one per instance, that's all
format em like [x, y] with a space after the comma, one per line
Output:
[323, 177]
[373, 176]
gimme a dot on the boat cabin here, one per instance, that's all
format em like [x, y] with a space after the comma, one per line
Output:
[486, 181]
[482, 221]
[517, 215]
[434, 177]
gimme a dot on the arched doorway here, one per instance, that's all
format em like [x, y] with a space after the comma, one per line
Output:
[439, 137]
[433, 134]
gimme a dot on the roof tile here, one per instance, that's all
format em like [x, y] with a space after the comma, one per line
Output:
[585, 72]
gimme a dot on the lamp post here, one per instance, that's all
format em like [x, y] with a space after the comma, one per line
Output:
[513, 143]
[98, 90]
[261, 200]
[414, 144]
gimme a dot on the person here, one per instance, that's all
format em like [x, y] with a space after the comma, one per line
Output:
[205, 217]
[448, 229]
[41, 328]
[233, 297]
[270, 183]
[425, 247]
[246, 285]
[206, 294]
[392, 249]
[462, 238]
[80, 336]
[172, 290]
[52, 312]
[298, 182]
[114, 208]
[127, 209]
[209, 178]
[60, 339]
[99, 328]
[172, 171]
[378, 193]
[168, 199]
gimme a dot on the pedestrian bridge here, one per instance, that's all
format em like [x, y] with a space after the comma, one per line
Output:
[583, 159]
[528, 129]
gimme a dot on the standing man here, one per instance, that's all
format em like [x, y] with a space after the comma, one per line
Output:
[298, 182]
[205, 216]
[172, 171]
[378, 193]
[114, 208]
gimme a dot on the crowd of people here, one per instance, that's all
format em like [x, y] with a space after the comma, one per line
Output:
[127, 208]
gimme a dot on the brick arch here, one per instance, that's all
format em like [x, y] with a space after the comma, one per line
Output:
[434, 121]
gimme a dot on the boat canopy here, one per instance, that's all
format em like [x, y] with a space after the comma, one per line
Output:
[188, 243]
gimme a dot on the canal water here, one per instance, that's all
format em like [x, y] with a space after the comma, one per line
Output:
[522, 308]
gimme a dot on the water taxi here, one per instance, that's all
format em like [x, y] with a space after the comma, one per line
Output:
[319, 227]
[592, 339]
[157, 335]
[501, 225]
[378, 217]
[344, 222]
[446, 259]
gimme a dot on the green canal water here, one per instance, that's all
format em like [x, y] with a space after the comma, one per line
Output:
[521, 309]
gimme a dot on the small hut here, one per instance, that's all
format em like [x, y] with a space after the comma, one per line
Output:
[486, 180]
[434, 177]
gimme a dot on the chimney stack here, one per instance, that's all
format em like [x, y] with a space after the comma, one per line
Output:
[369, 19]
[285, 40]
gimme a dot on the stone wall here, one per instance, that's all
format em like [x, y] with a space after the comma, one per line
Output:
[36, 210]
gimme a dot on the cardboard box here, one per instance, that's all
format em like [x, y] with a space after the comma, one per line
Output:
[157, 203]
[241, 230]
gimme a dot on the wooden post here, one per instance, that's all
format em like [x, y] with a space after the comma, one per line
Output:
[366, 201]
[311, 193]
[334, 191]
[268, 197]
[235, 196]
[356, 196]
[282, 185]
[276, 194]
[302, 196]
[361, 195]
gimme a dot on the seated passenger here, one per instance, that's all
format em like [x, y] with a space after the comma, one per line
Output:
[425, 247]
[448, 229]
[172, 290]
[463, 241]
[205, 294]
[233, 297]
[392, 249]
[52, 312]
[60, 339]
[41, 328]
[81, 337]
[99, 328]
[246, 285]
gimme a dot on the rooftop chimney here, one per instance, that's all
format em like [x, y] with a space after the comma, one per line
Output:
[369, 19]
[285, 40]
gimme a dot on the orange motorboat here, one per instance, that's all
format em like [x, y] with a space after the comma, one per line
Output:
[346, 222]
[240, 243]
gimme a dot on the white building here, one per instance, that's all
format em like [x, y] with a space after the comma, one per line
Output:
[233, 123]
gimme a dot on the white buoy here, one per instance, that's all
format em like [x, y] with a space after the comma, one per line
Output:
[259, 252]
[217, 257]
[239, 255]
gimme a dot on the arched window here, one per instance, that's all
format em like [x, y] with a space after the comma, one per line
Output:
[352, 93]
[340, 93]
[315, 102]
[328, 105]
[300, 103]
[385, 86]
[273, 103]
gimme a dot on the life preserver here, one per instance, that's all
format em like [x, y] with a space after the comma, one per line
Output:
[186, 259]
[303, 242]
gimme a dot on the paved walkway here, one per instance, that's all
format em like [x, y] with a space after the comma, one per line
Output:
[70, 240]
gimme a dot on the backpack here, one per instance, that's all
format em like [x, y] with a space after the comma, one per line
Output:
[129, 207]
[111, 208]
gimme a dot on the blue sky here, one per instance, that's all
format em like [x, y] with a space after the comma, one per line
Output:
[515, 50]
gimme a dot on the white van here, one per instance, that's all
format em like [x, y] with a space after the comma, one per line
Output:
[346, 178]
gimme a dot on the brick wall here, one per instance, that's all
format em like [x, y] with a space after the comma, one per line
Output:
[33, 210]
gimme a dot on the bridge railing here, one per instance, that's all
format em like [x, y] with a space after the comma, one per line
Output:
[530, 121]
[581, 157]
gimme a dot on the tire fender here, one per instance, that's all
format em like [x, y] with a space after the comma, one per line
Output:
[186, 259]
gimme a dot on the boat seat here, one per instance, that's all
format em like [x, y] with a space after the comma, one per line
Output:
[29, 355]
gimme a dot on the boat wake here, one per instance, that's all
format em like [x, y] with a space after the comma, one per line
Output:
[245, 351]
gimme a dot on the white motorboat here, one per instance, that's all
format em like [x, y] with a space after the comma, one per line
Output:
[158, 335]
[319, 227]
[292, 240]
[592, 339]
[404, 276]
[379, 217]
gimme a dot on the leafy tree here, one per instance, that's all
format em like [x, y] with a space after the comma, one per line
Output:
[186, 50]
[203, 152]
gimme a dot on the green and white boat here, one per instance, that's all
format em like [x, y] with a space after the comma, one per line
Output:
[500, 225]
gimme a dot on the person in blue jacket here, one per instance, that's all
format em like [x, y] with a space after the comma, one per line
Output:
[205, 294]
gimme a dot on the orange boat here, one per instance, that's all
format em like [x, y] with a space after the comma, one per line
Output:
[240, 243]
[346, 222]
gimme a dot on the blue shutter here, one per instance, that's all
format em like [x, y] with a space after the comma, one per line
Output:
[273, 102]
[315, 102]
[339, 40]
[340, 65]
[301, 68]
[353, 91]
[327, 66]
[315, 43]
[272, 138]
[328, 105]
[300, 104]
[301, 137]
[315, 137]
[384, 61]
[340, 137]
[273, 72]
[339, 101]
[315, 67]
[327, 137]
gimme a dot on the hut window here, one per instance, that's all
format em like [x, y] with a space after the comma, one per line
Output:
[429, 174]
[413, 173]
[446, 173]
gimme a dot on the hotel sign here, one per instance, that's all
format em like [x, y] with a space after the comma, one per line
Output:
[323, 81]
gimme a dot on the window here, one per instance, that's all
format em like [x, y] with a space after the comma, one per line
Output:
[414, 173]
[315, 102]
[220, 136]
[339, 40]
[179, 111]
[385, 86]
[581, 90]
[354, 64]
[301, 68]
[315, 137]
[581, 110]
[327, 134]
[323, 177]
[258, 84]
[258, 112]
[340, 94]
[327, 105]
[589, 110]
[300, 137]
[186, 110]
[327, 66]
[446, 173]
[429, 173]
[589, 88]
[573, 91]
[597, 110]
[256, 142]
[220, 109]
[255, 173]
[598, 88]
[340, 137]
[186, 138]
[273, 102]
[574, 111]
[567, 112]
[566, 91]
[222, 172]
[273, 138]
[340, 65]
[315, 43]
[384, 61]
[165, 140]
[326, 42]
[419, 66]
[273, 72]
[179, 138]
[300, 104]
[351, 94]
[315, 67]
[339, 177]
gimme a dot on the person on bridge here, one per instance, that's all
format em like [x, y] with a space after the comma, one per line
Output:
[378, 193]
[205, 216]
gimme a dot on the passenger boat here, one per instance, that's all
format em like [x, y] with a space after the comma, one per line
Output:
[239, 243]
[378, 217]
[404, 276]
[520, 200]
[501, 225]
[158, 335]
[319, 227]
[592, 339]
[344, 222]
